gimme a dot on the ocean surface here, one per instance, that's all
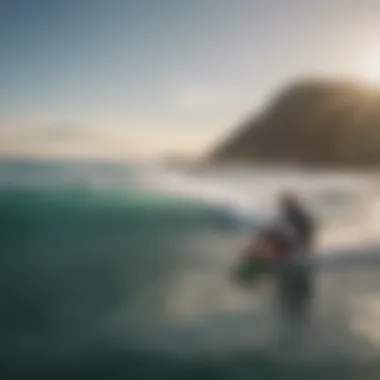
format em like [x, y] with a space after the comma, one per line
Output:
[120, 271]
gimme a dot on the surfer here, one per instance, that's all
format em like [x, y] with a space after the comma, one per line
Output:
[293, 215]
[281, 249]
[296, 284]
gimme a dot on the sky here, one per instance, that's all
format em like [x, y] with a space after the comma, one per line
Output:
[146, 78]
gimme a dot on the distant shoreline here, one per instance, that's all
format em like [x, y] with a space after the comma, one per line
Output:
[196, 165]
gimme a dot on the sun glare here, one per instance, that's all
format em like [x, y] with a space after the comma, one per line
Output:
[370, 70]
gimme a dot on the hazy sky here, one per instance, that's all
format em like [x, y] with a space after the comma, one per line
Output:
[138, 77]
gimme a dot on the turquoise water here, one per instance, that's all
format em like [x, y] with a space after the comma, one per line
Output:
[117, 282]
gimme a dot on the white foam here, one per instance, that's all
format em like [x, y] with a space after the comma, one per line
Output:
[346, 205]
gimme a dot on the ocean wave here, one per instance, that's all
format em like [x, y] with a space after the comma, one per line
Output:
[115, 282]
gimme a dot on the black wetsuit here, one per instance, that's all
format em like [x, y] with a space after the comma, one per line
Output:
[299, 286]
[303, 226]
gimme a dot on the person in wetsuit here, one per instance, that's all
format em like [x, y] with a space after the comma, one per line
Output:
[295, 216]
[297, 284]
